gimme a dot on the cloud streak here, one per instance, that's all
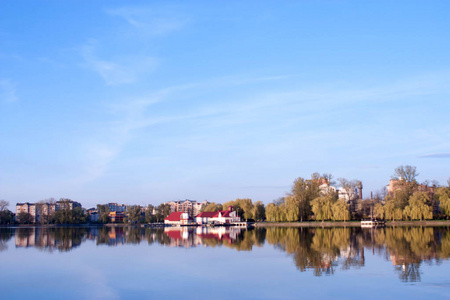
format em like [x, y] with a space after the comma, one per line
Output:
[121, 70]
[227, 113]
[151, 21]
[435, 155]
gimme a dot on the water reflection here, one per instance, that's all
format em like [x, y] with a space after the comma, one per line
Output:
[321, 250]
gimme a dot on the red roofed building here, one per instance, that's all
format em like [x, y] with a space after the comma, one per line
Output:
[219, 217]
[178, 218]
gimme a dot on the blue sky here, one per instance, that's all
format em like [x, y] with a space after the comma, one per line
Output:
[151, 101]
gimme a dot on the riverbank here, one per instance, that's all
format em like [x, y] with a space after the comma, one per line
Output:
[431, 223]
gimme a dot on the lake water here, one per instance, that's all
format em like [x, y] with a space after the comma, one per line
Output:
[224, 263]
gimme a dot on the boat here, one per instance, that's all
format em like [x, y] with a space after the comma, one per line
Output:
[372, 223]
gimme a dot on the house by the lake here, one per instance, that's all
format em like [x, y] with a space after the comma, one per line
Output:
[179, 218]
[221, 217]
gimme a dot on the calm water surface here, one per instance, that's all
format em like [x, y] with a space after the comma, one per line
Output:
[224, 263]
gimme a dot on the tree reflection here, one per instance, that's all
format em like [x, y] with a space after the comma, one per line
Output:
[323, 251]
[5, 236]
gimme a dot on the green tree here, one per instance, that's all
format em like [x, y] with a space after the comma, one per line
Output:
[162, 212]
[149, 216]
[270, 212]
[134, 213]
[276, 212]
[443, 195]
[78, 216]
[392, 212]
[322, 207]
[24, 218]
[418, 208]
[212, 207]
[6, 216]
[291, 206]
[259, 211]
[304, 191]
[66, 214]
[340, 211]
[379, 211]
[243, 207]
[103, 213]
[401, 198]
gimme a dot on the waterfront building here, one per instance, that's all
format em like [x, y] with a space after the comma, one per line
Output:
[29, 208]
[117, 207]
[94, 216]
[229, 216]
[116, 217]
[399, 184]
[179, 218]
[67, 204]
[40, 210]
[191, 207]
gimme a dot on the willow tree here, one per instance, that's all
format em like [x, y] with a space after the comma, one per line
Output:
[258, 211]
[275, 212]
[211, 207]
[340, 211]
[379, 211]
[418, 208]
[392, 212]
[301, 195]
[243, 207]
[322, 207]
[443, 195]
[304, 191]
[292, 209]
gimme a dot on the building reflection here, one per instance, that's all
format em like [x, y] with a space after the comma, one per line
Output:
[323, 251]
[50, 239]
[188, 237]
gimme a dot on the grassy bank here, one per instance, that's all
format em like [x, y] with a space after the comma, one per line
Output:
[419, 223]
[351, 224]
[309, 224]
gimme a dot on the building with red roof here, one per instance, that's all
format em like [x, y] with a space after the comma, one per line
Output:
[179, 218]
[219, 217]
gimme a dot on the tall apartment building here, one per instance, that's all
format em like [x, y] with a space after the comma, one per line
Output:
[192, 207]
[38, 210]
[64, 204]
[117, 207]
[26, 207]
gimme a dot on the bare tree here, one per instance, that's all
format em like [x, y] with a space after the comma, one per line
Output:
[380, 195]
[406, 173]
[349, 187]
[329, 178]
[3, 205]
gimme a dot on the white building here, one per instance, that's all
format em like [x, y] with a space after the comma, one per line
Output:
[229, 216]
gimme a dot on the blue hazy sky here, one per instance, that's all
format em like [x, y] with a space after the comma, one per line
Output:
[151, 101]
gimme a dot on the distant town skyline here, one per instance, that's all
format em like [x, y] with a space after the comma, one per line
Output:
[147, 103]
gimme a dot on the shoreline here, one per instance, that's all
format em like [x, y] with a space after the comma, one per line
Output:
[352, 224]
[429, 223]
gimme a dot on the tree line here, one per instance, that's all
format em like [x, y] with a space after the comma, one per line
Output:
[316, 199]
[413, 201]
[312, 199]
[135, 214]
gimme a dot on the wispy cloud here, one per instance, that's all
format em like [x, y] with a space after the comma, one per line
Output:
[435, 155]
[7, 91]
[152, 21]
[224, 114]
[120, 70]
